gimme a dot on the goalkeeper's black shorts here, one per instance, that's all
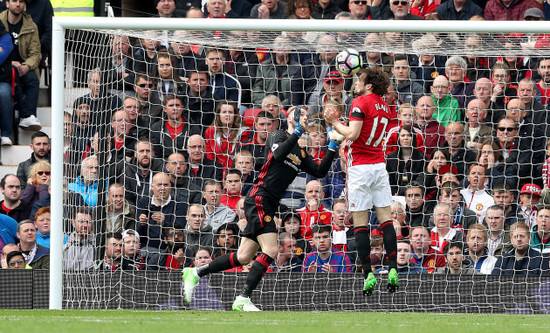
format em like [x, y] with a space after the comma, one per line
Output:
[259, 212]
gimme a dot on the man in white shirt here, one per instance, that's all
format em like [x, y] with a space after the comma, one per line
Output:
[475, 196]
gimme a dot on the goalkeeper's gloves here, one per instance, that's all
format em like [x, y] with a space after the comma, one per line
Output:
[335, 139]
[299, 125]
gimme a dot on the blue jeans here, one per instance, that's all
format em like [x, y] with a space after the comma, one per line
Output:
[6, 108]
[28, 94]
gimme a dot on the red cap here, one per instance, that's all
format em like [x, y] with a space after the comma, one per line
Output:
[447, 168]
[334, 75]
[530, 189]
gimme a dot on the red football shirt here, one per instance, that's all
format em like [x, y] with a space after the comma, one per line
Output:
[375, 114]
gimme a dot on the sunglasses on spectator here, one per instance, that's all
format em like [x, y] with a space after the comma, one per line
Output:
[402, 3]
[145, 85]
[41, 173]
[504, 129]
[359, 2]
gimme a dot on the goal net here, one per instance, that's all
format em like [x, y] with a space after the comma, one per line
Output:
[164, 131]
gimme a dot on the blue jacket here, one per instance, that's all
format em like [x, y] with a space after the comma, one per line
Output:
[226, 87]
[44, 240]
[532, 264]
[88, 193]
[8, 229]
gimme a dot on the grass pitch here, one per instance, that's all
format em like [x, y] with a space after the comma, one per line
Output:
[96, 321]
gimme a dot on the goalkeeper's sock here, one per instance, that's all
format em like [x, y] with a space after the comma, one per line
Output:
[257, 271]
[227, 261]
[390, 243]
[362, 241]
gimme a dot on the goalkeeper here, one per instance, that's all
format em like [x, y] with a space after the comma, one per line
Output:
[284, 160]
[367, 181]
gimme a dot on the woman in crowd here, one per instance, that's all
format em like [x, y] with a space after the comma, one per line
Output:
[38, 183]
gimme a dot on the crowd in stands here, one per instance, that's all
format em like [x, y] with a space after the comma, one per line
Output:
[170, 137]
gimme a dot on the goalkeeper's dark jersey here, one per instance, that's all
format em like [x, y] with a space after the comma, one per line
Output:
[284, 160]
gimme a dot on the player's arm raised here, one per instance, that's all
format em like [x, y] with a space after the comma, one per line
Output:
[351, 132]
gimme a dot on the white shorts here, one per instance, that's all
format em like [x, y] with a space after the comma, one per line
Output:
[368, 186]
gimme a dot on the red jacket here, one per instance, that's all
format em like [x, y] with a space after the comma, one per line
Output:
[496, 11]
[312, 217]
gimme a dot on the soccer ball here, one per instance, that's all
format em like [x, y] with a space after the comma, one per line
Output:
[349, 62]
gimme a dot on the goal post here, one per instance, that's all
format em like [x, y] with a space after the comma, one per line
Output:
[121, 25]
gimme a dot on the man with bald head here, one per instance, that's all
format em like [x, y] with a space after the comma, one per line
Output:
[155, 214]
[476, 131]
[432, 130]
[375, 58]
[184, 190]
[447, 109]
[200, 167]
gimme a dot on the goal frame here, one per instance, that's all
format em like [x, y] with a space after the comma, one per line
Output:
[61, 24]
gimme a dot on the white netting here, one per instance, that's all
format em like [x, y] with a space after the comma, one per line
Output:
[130, 146]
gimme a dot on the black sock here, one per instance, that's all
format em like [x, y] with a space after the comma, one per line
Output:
[362, 241]
[257, 271]
[227, 261]
[390, 243]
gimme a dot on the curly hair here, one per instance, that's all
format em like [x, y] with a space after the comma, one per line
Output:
[379, 80]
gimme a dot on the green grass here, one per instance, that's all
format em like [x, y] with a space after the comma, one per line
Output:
[76, 321]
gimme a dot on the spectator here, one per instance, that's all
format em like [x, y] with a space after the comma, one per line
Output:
[12, 205]
[169, 83]
[87, 183]
[244, 162]
[102, 103]
[118, 68]
[324, 258]
[131, 256]
[40, 145]
[15, 260]
[508, 10]
[6, 107]
[217, 214]
[408, 91]
[263, 125]
[425, 67]
[178, 253]
[432, 131]
[222, 138]
[243, 63]
[313, 211]
[431, 176]
[458, 10]
[7, 249]
[148, 98]
[226, 240]
[232, 188]
[342, 230]
[145, 57]
[398, 10]
[291, 223]
[42, 223]
[461, 157]
[272, 104]
[423, 254]
[462, 217]
[26, 60]
[477, 249]
[541, 231]
[224, 86]
[405, 119]
[461, 88]
[478, 66]
[118, 215]
[113, 253]
[37, 256]
[406, 163]
[317, 136]
[333, 90]
[169, 135]
[475, 196]
[456, 263]
[503, 90]
[154, 215]
[490, 157]
[186, 60]
[447, 109]
[404, 264]
[543, 85]
[529, 197]
[200, 166]
[498, 240]
[196, 232]
[286, 260]
[38, 184]
[81, 251]
[120, 139]
[377, 253]
[522, 259]
[527, 94]
[359, 9]
[373, 41]
[418, 213]
[443, 234]
[483, 90]
[476, 131]
[138, 174]
[269, 9]
[200, 105]
[184, 190]
[504, 196]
